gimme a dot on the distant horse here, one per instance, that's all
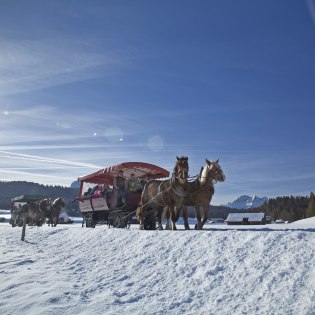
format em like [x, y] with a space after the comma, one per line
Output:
[168, 193]
[18, 214]
[27, 213]
[52, 209]
[35, 215]
[201, 190]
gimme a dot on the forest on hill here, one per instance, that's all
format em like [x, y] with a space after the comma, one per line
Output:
[9, 190]
[289, 208]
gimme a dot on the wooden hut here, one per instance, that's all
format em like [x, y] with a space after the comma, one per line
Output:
[246, 218]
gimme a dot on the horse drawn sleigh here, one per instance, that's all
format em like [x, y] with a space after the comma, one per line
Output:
[158, 195]
[33, 210]
[24, 206]
[100, 202]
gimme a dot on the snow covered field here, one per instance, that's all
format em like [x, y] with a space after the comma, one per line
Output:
[221, 270]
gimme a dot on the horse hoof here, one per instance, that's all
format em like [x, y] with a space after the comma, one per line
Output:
[160, 228]
[198, 226]
[141, 227]
[187, 227]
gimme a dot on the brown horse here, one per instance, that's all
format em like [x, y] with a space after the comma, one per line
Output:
[52, 209]
[28, 211]
[201, 191]
[158, 194]
[35, 215]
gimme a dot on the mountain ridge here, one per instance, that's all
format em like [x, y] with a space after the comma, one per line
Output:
[247, 202]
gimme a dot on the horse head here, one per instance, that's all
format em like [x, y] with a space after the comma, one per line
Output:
[212, 172]
[59, 203]
[181, 168]
[44, 204]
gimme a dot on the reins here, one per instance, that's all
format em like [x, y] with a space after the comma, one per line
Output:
[160, 193]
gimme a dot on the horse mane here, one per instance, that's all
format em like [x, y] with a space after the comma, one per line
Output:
[57, 201]
[201, 171]
[204, 174]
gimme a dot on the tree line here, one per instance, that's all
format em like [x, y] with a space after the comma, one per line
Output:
[10, 190]
[285, 208]
[289, 208]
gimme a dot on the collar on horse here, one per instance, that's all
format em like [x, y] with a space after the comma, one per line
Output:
[176, 189]
[173, 186]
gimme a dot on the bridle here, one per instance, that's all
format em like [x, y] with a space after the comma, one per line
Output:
[213, 174]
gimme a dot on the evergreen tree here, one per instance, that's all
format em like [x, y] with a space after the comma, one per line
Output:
[310, 212]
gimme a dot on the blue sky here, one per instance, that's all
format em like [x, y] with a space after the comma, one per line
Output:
[88, 84]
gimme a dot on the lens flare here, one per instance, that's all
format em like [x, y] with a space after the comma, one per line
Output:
[155, 143]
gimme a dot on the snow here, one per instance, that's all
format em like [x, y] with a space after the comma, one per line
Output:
[221, 270]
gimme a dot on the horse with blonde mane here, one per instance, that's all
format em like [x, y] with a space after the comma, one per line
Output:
[201, 192]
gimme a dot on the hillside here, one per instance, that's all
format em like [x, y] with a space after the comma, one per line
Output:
[221, 270]
[9, 190]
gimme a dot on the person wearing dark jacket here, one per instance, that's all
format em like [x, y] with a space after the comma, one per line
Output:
[120, 187]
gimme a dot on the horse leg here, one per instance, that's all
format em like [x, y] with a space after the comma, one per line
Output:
[57, 218]
[205, 214]
[173, 217]
[55, 221]
[159, 215]
[140, 217]
[168, 225]
[198, 215]
[30, 218]
[185, 218]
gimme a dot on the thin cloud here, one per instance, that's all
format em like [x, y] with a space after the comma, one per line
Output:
[41, 169]
[63, 178]
[45, 123]
[311, 9]
[32, 65]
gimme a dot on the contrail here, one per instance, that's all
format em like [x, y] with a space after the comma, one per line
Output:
[35, 158]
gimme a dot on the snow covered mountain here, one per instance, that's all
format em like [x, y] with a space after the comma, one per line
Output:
[246, 202]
